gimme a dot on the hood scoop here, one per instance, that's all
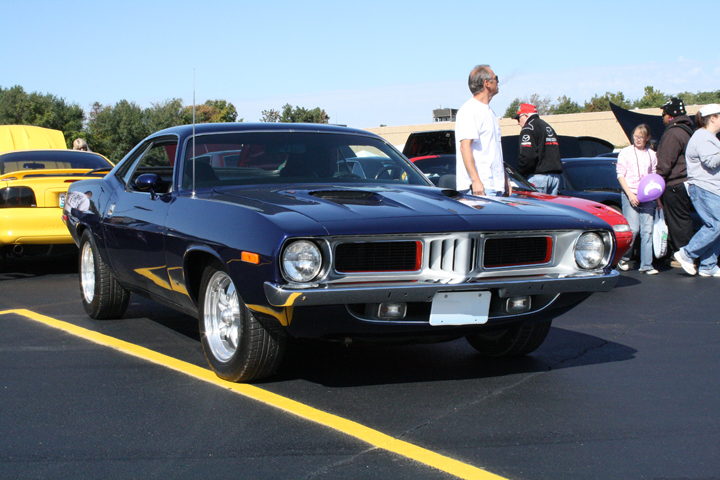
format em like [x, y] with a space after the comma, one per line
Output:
[349, 197]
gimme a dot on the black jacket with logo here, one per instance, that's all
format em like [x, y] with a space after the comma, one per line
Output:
[539, 149]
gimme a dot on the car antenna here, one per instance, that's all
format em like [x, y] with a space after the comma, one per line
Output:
[193, 136]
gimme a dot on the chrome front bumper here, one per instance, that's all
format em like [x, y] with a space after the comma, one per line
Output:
[339, 294]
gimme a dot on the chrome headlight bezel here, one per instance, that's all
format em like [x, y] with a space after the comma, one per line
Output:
[302, 261]
[592, 251]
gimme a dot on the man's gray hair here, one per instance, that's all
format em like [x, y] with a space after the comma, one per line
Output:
[477, 78]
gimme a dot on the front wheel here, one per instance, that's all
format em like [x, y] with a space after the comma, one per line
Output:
[102, 295]
[514, 341]
[236, 345]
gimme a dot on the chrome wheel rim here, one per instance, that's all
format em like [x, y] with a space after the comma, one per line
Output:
[222, 317]
[87, 273]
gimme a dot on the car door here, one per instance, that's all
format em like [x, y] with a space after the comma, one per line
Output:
[134, 221]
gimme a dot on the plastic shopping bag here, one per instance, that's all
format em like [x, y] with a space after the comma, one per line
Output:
[660, 233]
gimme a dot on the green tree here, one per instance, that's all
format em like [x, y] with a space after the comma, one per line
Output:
[212, 111]
[115, 130]
[303, 115]
[165, 114]
[544, 105]
[699, 98]
[512, 108]
[42, 110]
[270, 116]
[602, 103]
[566, 105]
[651, 99]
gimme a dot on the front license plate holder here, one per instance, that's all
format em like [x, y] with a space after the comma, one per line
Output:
[460, 308]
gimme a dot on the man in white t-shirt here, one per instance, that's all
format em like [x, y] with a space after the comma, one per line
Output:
[479, 166]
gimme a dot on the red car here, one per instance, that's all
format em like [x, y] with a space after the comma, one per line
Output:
[440, 169]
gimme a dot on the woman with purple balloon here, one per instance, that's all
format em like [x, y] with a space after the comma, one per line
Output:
[703, 167]
[635, 165]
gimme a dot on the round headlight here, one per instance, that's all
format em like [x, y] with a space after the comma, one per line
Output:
[589, 250]
[302, 261]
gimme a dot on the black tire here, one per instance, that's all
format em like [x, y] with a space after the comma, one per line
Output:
[102, 295]
[237, 347]
[514, 341]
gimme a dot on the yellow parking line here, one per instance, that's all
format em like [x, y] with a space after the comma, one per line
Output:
[348, 427]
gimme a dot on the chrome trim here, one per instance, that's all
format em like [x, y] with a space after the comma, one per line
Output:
[421, 291]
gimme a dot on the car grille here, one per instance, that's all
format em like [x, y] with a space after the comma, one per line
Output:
[378, 257]
[447, 255]
[451, 255]
[506, 252]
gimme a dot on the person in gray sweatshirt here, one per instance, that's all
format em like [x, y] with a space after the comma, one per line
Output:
[703, 169]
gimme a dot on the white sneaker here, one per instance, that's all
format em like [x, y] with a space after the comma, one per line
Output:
[687, 265]
[623, 265]
[705, 274]
[651, 271]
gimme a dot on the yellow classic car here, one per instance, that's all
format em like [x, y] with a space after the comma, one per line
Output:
[33, 186]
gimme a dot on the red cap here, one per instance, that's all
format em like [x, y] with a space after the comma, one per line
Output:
[525, 109]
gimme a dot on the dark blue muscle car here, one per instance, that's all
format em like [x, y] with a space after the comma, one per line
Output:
[270, 232]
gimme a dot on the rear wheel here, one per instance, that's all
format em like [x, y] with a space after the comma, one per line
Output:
[514, 341]
[236, 345]
[102, 296]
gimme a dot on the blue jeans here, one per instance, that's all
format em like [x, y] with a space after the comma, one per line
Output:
[705, 244]
[640, 219]
[546, 182]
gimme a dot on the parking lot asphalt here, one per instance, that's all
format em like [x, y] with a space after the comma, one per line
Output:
[624, 387]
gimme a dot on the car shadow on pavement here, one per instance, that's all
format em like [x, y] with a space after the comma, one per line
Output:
[338, 365]
[335, 364]
[12, 267]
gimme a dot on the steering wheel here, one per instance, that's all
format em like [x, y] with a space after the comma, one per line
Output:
[389, 173]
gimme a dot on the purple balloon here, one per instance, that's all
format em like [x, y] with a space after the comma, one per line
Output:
[651, 187]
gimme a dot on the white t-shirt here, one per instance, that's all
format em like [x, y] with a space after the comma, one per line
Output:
[477, 122]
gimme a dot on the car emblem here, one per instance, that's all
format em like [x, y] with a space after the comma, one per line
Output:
[526, 138]
[549, 130]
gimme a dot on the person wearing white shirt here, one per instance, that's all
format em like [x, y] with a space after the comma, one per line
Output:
[479, 163]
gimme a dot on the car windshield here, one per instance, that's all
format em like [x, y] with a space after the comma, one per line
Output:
[250, 158]
[595, 175]
[51, 159]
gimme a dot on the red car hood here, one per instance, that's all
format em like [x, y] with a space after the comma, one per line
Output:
[611, 216]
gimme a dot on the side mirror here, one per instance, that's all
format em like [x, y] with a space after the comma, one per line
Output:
[148, 182]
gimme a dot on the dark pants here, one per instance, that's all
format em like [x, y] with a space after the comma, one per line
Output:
[677, 206]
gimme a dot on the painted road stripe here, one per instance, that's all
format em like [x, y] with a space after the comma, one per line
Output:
[348, 427]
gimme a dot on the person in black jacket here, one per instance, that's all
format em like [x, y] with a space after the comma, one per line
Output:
[672, 167]
[539, 157]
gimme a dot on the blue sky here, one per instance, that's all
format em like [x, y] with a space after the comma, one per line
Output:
[366, 63]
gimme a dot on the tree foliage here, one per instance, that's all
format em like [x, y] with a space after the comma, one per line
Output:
[512, 108]
[290, 114]
[270, 116]
[699, 98]
[566, 105]
[601, 103]
[544, 105]
[651, 99]
[212, 111]
[42, 110]
[303, 115]
[115, 130]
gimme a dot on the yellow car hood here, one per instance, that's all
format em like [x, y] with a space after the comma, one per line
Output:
[27, 137]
